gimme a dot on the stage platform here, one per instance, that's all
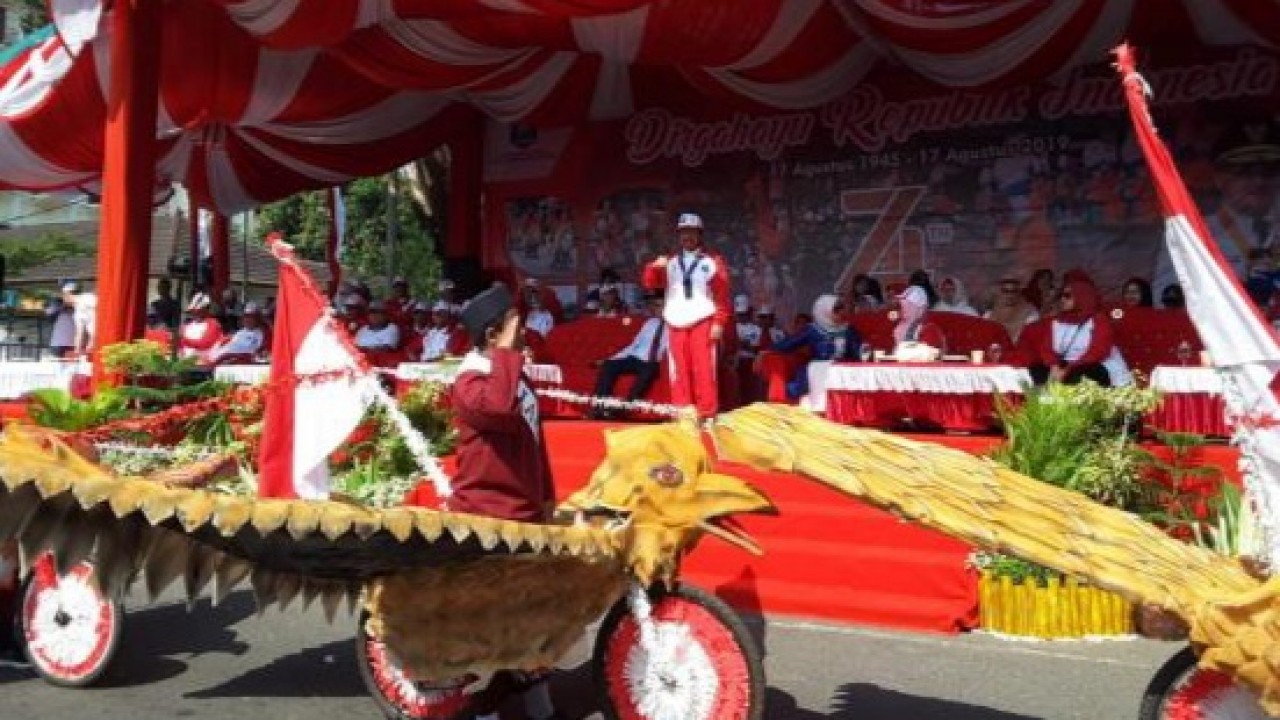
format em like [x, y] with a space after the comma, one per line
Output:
[827, 557]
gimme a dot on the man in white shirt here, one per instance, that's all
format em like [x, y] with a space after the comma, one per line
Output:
[245, 344]
[436, 341]
[642, 358]
[62, 337]
[379, 335]
[538, 318]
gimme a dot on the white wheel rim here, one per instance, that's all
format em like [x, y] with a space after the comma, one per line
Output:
[679, 682]
[65, 624]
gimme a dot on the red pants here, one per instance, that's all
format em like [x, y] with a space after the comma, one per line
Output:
[692, 364]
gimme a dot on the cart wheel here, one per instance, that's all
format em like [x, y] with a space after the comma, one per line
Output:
[708, 667]
[68, 629]
[1182, 691]
[397, 696]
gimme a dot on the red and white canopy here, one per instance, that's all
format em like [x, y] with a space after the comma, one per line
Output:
[263, 98]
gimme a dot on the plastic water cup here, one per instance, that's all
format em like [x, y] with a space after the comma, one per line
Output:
[976, 356]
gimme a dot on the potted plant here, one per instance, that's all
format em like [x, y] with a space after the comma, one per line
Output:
[1079, 438]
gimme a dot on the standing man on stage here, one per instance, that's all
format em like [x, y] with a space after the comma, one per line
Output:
[697, 308]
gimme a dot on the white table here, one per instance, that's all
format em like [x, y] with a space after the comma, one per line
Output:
[951, 396]
[1190, 379]
[242, 374]
[17, 379]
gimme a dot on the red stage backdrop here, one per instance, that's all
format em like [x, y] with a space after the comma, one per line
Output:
[897, 175]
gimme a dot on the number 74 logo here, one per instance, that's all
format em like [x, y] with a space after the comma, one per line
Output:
[890, 245]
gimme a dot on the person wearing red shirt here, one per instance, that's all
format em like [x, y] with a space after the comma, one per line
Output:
[399, 305]
[696, 281]
[1078, 340]
[201, 333]
[503, 469]
[157, 332]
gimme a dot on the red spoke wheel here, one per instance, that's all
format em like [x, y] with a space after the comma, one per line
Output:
[704, 664]
[400, 697]
[68, 628]
[1182, 691]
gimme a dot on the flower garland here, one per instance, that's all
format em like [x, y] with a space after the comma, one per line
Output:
[613, 403]
[418, 445]
[156, 426]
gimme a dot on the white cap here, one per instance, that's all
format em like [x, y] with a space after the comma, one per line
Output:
[252, 308]
[353, 299]
[915, 295]
[70, 287]
[199, 301]
[689, 220]
[741, 304]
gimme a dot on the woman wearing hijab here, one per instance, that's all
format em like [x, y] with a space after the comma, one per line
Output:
[953, 298]
[1079, 341]
[828, 338]
[1011, 309]
[913, 321]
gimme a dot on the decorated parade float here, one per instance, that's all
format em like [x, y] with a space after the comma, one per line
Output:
[438, 592]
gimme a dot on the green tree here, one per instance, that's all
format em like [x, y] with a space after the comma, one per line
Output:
[22, 253]
[370, 253]
[34, 14]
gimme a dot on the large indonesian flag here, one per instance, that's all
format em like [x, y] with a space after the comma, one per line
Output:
[1243, 345]
[318, 391]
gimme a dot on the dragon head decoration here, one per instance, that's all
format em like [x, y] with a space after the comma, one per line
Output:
[656, 482]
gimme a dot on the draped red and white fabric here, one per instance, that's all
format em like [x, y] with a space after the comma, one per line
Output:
[318, 389]
[261, 99]
[1243, 345]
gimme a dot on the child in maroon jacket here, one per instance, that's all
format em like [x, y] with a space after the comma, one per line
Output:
[503, 469]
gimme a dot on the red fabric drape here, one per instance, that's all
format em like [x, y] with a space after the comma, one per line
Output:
[128, 174]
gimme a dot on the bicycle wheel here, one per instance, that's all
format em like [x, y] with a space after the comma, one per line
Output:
[68, 629]
[398, 696]
[1182, 691]
[704, 664]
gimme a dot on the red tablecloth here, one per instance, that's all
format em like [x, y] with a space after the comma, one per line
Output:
[1192, 401]
[936, 396]
[966, 413]
[1200, 413]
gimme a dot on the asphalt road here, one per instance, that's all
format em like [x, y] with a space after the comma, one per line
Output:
[228, 662]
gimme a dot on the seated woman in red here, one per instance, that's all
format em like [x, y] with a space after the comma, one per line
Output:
[1078, 342]
[503, 469]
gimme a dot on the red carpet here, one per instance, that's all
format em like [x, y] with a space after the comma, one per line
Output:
[826, 556]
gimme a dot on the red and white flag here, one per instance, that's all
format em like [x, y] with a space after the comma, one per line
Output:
[1244, 347]
[318, 391]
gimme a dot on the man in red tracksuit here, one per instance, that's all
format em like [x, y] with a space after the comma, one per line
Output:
[696, 312]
